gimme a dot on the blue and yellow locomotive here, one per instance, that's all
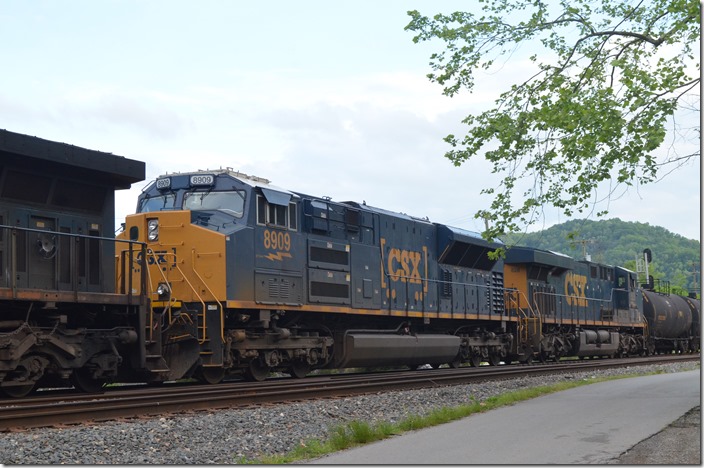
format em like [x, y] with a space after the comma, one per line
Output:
[584, 308]
[246, 277]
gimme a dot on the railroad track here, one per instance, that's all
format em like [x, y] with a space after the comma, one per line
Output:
[60, 409]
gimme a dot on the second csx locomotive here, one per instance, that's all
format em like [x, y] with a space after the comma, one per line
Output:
[246, 277]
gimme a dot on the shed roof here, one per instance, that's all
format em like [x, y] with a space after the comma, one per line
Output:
[104, 168]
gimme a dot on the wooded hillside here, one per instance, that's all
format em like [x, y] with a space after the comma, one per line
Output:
[616, 242]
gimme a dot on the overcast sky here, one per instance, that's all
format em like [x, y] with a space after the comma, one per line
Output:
[328, 98]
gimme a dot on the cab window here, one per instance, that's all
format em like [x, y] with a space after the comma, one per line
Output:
[158, 203]
[274, 215]
[231, 202]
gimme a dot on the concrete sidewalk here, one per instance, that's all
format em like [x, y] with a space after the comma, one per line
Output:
[593, 424]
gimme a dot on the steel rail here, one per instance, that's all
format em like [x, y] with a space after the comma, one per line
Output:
[61, 410]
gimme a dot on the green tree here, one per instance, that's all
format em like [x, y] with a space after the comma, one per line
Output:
[609, 77]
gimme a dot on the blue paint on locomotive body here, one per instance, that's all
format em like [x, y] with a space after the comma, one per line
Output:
[287, 248]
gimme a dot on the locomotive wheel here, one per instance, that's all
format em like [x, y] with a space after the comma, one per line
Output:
[84, 381]
[17, 391]
[543, 356]
[299, 369]
[494, 359]
[211, 375]
[475, 360]
[257, 371]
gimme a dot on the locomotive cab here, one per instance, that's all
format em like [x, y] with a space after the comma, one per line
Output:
[628, 298]
[174, 213]
[200, 229]
[214, 202]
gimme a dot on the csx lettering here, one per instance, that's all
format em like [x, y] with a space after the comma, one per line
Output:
[157, 257]
[277, 240]
[575, 288]
[404, 265]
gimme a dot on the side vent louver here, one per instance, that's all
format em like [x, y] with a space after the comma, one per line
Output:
[279, 288]
[497, 292]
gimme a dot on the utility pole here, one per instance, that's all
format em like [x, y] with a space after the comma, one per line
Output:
[584, 243]
[694, 273]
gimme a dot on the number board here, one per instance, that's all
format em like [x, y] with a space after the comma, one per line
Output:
[162, 184]
[202, 179]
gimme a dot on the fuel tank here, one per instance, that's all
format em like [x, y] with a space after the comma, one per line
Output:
[668, 316]
[374, 350]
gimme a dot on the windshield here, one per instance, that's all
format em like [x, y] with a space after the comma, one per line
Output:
[158, 203]
[231, 202]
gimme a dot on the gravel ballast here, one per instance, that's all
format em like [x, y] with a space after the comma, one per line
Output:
[232, 436]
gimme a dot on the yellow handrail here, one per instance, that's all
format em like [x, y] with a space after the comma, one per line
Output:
[222, 315]
[513, 297]
[183, 278]
[152, 288]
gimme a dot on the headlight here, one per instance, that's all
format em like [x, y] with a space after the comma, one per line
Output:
[153, 230]
[162, 290]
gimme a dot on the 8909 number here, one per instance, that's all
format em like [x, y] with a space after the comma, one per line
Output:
[277, 240]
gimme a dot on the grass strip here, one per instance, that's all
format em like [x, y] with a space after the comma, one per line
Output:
[355, 433]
